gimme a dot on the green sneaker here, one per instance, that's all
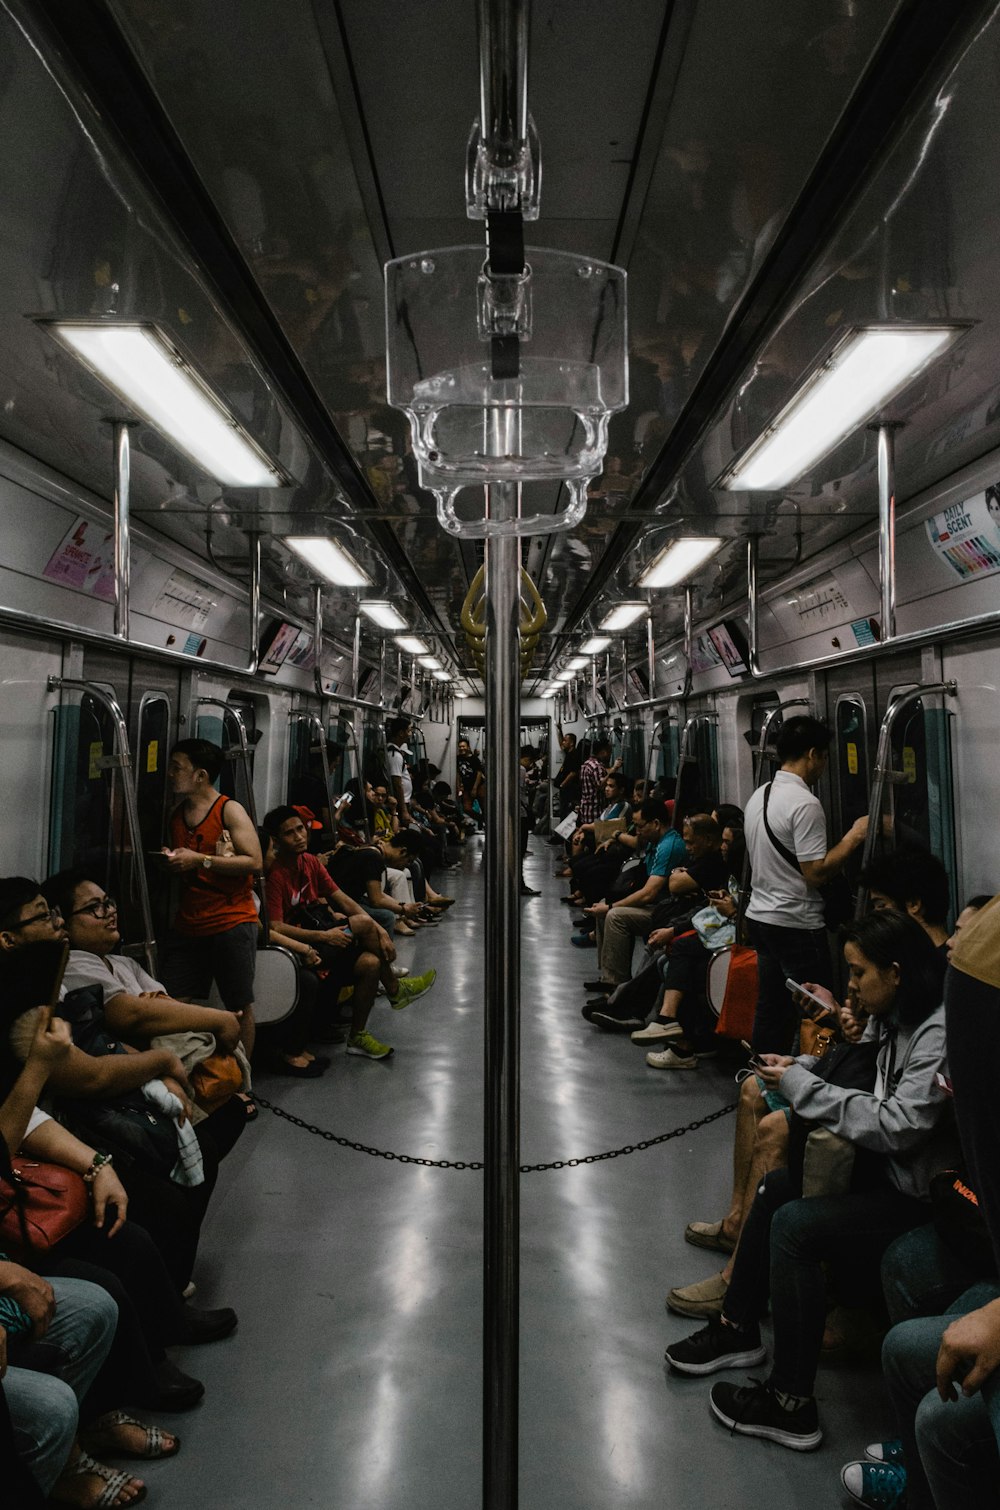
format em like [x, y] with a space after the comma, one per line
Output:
[411, 988]
[367, 1046]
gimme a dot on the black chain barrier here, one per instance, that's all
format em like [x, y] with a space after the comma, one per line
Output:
[406, 1158]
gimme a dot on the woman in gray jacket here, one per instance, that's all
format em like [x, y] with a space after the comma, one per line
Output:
[897, 975]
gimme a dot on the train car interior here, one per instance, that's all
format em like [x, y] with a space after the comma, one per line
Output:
[336, 433]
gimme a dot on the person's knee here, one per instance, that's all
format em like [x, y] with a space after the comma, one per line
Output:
[45, 1417]
[772, 1137]
[367, 966]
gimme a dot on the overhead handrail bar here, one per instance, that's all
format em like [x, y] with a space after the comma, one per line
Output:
[884, 775]
[122, 761]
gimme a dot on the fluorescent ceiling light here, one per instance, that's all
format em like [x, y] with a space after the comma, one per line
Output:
[679, 560]
[441, 676]
[551, 692]
[624, 615]
[578, 662]
[139, 364]
[596, 644]
[563, 676]
[383, 614]
[411, 644]
[863, 372]
[431, 662]
[327, 558]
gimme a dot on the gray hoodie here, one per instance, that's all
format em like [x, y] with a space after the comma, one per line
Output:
[903, 1122]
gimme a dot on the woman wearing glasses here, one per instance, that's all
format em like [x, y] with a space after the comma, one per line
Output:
[116, 1009]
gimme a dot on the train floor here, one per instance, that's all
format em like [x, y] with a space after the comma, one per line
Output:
[354, 1377]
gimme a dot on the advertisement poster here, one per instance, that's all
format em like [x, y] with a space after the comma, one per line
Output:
[85, 561]
[967, 535]
[704, 656]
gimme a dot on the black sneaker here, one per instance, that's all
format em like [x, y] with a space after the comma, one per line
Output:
[754, 1411]
[590, 1007]
[605, 1018]
[604, 987]
[716, 1346]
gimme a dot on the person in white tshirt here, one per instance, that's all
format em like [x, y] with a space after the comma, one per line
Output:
[785, 829]
[397, 732]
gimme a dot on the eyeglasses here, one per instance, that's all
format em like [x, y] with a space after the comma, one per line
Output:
[48, 916]
[101, 907]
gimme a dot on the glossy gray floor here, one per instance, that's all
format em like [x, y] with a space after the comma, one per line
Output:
[354, 1378]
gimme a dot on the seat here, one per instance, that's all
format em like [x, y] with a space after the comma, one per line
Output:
[276, 985]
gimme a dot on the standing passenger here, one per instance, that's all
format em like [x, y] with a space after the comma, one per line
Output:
[214, 854]
[786, 910]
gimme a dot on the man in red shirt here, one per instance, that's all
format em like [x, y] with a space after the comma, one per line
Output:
[296, 881]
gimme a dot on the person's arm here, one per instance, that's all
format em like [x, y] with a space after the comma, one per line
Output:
[891, 1125]
[681, 882]
[147, 1016]
[646, 895]
[97, 1077]
[51, 1044]
[817, 872]
[56, 1144]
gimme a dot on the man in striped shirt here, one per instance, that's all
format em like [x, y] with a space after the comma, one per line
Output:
[592, 777]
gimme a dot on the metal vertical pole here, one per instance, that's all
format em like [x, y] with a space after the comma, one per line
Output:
[253, 650]
[593, 685]
[381, 673]
[887, 528]
[123, 554]
[650, 656]
[356, 712]
[503, 948]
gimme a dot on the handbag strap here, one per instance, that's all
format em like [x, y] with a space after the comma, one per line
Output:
[782, 849]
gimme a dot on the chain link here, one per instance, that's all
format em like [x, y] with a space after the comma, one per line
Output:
[406, 1158]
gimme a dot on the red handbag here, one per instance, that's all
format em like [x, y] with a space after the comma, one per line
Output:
[739, 1004]
[40, 1204]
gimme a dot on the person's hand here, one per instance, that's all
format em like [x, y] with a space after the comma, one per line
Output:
[970, 1352]
[772, 1068]
[227, 1035]
[173, 1068]
[187, 1105]
[52, 1041]
[108, 1190]
[725, 904]
[412, 909]
[183, 859]
[311, 957]
[337, 938]
[660, 936]
[826, 997]
[852, 1018]
[33, 1294]
[598, 910]
[858, 830]
[392, 804]
[387, 948]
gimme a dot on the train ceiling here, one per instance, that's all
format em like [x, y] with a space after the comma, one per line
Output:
[771, 172]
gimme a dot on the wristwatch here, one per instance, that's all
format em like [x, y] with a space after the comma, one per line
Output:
[206, 864]
[98, 1163]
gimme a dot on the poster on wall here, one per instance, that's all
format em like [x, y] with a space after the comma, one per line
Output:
[967, 535]
[704, 656]
[85, 560]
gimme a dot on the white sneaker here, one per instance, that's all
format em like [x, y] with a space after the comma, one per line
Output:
[668, 1060]
[399, 970]
[657, 1030]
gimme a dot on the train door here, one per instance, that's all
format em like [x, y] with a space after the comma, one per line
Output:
[664, 750]
[151, 743]
[94, 819]
[920, 791]
[697, 785]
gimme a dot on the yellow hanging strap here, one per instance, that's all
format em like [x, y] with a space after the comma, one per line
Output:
[533, 619]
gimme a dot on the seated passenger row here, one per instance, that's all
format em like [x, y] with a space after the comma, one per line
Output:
[843, 1155]
[145, 1092]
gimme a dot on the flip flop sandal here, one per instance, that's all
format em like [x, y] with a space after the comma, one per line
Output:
[250, 1107]
[97, 1437]
[115, 1480]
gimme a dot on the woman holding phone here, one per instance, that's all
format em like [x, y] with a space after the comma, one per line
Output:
[897, 974]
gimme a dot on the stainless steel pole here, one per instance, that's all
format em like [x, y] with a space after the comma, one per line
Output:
[501, 1214]
[650, 656]
[123, 553]
[887, 528]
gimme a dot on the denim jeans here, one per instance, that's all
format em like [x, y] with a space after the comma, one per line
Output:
[922, 1276]
[784, 1244]
[801, 954]
[952, 1457]
[44, 1409]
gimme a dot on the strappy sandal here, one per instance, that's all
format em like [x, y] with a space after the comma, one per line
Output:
[98, 1438]
[250, 1108]
[115, 1481]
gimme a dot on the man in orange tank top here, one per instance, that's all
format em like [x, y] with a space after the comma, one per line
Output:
[214, 853]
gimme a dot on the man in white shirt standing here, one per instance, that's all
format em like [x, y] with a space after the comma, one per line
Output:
[785, 829]
[397, 732]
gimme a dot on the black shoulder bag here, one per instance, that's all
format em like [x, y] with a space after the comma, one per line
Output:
[836, 894]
